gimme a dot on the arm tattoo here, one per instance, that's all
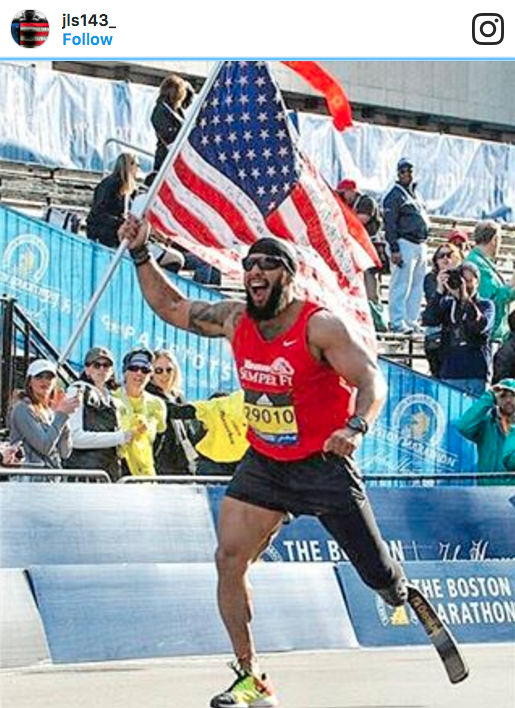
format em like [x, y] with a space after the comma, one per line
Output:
[209, 319]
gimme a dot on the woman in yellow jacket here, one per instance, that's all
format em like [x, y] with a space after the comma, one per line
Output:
[140, 411]
[225, 440]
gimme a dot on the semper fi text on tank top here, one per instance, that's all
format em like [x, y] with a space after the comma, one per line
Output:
[293, 402]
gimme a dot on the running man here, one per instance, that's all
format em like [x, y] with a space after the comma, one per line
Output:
[298, 366]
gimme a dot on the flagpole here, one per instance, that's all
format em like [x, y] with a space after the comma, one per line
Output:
[174, 149]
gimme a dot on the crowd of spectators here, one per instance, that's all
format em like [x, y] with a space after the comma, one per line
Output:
[459, 301]
[142, 426]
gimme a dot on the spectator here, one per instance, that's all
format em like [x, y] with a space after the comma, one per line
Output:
[367, 211]
[504, 360]
[40, 423]
[466, 321]
[11, 455]
[488, 423]
[96, 432]
[174, 450]
[140, 411]
[168, 114]
[225, 431]
[487, 236]
[445, 257]
[461, 240]
[111, 201]
[406, 231]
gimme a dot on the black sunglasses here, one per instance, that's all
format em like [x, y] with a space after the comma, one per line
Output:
[162, 370]
[263, 263]
[45, 376]
[101, 365]
[144, 369]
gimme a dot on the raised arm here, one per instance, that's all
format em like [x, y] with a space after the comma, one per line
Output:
[197, 316]
[330, 340]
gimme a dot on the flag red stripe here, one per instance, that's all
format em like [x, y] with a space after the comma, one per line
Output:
[186, 219]
[357, 230]
[322, 81]
[212, 196]
[277, 226]
[316, 233]
[158, 225]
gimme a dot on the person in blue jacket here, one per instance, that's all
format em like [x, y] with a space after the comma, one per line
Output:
[406, 232]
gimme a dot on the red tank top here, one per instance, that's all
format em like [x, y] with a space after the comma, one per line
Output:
[292, 401]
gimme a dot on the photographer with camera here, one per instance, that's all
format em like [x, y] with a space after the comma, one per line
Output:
[466, 321]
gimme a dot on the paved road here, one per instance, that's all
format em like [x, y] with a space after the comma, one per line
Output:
[354, 679]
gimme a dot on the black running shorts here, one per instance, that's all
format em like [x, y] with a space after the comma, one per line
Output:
[320, 484]
[326, 486]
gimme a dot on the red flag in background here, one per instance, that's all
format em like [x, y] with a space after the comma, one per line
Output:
[240, 175]
[322, 81]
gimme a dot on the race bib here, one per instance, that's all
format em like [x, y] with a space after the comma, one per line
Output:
[271, 416]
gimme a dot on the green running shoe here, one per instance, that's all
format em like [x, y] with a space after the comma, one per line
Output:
[247, 691]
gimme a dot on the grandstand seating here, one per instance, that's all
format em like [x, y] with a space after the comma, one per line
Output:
[32, 188]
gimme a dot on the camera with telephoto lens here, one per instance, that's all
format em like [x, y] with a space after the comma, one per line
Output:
[455, 279]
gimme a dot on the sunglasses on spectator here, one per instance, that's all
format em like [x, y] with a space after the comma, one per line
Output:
[163, 370]
[45, 376]
[263, 263]
[444, 254]
[101, 365]
[143, 369]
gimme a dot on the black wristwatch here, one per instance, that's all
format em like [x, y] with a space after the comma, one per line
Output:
[358, 423]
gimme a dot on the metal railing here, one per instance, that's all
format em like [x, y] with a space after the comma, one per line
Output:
[121, 143]
[33, 473]
[437, 479]
[21, 341]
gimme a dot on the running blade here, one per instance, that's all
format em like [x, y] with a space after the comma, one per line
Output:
[440, 636]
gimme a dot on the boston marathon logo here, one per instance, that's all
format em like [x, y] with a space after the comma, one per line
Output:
[418, 426]
[278, 373]
[401, 616]
[27, 256]
[25, 263]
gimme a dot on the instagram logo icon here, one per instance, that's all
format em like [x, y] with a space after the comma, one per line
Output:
[488, 28]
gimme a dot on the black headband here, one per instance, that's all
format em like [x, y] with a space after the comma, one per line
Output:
[270, 246]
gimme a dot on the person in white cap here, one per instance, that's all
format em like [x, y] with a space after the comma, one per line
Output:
[38, 422]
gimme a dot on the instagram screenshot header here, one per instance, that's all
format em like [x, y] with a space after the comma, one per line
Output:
[229, 29]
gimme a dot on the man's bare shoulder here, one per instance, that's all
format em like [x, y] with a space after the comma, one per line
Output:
[324, 327]
[214, 319]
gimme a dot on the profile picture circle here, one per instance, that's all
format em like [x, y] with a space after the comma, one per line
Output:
[29, 28]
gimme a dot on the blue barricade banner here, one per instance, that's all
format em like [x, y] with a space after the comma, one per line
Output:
[53, 275]
[448, 524]
[85, 112]
[476, 601]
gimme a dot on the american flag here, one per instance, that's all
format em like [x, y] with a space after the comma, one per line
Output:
[240, 175]
[33, 34]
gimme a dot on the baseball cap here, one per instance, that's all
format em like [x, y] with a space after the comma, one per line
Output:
[138, 357]
[346, 184]
[271, 246]
[507, 384]
[96, 353]
[40, 366]
[458, 237]
[404, 163]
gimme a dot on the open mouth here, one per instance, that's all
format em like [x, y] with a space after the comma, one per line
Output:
[259, 291]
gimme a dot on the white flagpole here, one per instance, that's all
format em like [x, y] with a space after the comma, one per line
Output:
[174, 149]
